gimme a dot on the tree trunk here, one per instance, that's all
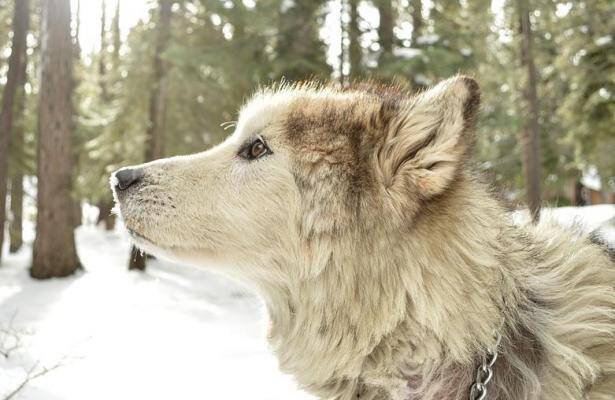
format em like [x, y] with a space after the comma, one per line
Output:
[16, 61]
[385, 27]
[15, 224]
[157, 107]
[530, 138]
[342, 59]
[76, 214]
[76, 211]
[117, 40]
[354, 36]
[76, 44]
[105, 216]
[106, 205]
[154, 145]
[417, 20]
[54, 252]
[16, 171]
[102, 67]
[17, 150]
[577, 194]
[137, 259]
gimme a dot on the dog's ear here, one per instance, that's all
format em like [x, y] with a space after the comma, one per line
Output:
[427, 138]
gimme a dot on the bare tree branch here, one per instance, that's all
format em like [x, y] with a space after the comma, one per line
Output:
[10, 339]
[33, 373]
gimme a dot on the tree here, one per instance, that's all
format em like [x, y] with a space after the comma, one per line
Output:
[155, 136]
[102, 67]
[530, 138]
[54, 252]
[116, 37]
[105, 205]
[343, 29]
[385, 27]
[417, 20]
[354, 44]
[154, 146]
[77, 31]
[17, 168]
[585, 59]
[299, 52]
[16, 70]
[76, 206]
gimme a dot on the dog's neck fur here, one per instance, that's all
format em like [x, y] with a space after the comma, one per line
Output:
[439, 281]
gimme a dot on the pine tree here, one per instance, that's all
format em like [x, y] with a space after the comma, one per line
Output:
[530, 138]
[354, 38]
[385, 27]
[417, 20]
[105, 205]
[54, 252]
[7, 112]
[16, 168]
[585, 62]
[299, 52]
[155, 136]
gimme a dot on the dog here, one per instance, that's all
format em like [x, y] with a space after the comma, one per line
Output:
[389, 269]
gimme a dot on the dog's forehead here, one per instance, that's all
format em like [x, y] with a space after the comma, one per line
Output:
[271, 106]
[262, 110]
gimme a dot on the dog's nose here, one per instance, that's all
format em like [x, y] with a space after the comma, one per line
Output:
[127, 177]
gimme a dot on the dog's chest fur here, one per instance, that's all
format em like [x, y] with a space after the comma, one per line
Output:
[389, 324]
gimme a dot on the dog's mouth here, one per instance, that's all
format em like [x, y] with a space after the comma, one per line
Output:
[143, 241]
[148, 245]
[151, 246]
[136, 235]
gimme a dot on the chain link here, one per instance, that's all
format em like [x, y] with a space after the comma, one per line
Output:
[484, 372]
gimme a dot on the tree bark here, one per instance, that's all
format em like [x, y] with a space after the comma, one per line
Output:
[16, 170]
[105, 216]
[76, 43]
[106, 205]
[54, 252]
[342, 59]
[530, 137]
[137, 259]
[76, 203]
[354, 36]
[102, 67]
[385, 27]
[117, 40]
[157, 107]
[16, 61]
[154, 144]
[417, 20]
[16, 224]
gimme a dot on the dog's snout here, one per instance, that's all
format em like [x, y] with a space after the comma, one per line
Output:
[127, 177]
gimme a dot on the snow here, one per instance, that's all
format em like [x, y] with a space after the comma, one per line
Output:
[407, 52]
[427, 39]
[591, 179]
[604, 40]
[173, 332]
[599, 217]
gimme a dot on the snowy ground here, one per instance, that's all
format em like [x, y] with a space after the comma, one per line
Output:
[174, 332]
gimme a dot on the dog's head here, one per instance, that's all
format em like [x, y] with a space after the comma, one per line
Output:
[305, 165]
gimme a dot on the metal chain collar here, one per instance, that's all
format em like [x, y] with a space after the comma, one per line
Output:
[484, 372]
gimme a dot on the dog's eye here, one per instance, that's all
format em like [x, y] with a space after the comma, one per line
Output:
[254, 150]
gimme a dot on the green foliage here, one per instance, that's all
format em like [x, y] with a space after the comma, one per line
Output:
[221, 51]
[586, 108]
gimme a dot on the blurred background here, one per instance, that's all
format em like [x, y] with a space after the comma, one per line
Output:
[88, 86]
